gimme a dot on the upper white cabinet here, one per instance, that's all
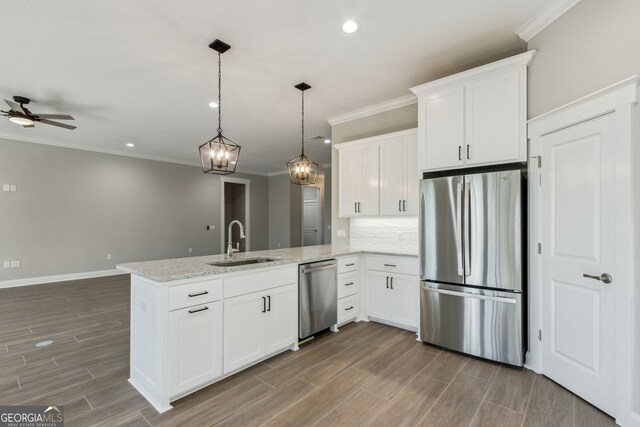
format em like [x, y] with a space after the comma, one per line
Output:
[474, 118]
[379, 175]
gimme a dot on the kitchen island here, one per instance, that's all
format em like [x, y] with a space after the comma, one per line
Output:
[195, 321]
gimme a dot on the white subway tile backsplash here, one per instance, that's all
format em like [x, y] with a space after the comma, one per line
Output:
[385, 233]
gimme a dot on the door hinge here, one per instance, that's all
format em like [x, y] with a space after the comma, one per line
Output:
[539, 334]
[539, 248]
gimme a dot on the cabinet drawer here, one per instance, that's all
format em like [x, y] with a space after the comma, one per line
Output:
[348, 264]
[348, 308]
[194, 293]
[259, 281]
[400, 265]
[348, 284]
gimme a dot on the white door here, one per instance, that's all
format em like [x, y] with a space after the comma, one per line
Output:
[349, 178]
[578, 334]
[244, 323]
[281, 323]
[311, 217]
[195, 349]
[493, 120]
[392, 176]
[368, 204]
[378, 288]
[412, 176]
[404, 300]
[442, 130]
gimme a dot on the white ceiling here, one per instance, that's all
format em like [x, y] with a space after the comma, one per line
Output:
[141, 71]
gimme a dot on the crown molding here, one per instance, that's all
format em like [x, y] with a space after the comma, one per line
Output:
[373, 109]
[60, 144]
[375, 139]
[542, 20]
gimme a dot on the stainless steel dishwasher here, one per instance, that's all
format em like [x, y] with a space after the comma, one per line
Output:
[317, 297]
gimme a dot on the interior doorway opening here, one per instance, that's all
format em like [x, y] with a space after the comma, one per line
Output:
[312, 229]
[236, 206]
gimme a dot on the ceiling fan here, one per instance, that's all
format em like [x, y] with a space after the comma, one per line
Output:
[20, 115]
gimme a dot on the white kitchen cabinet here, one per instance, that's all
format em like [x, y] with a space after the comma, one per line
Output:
[474, 118]
[378, 295]
[404, 297]
[358, 175]
[195, 346]
[259, 324]
[399, 175]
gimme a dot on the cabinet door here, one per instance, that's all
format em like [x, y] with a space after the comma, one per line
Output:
[369, 173]
[195, 346]
[442, 130]
[378, 295]
[495, 117]
[244, 324]
[350, 178]
[392, 176]
[412, 176]
[404, 300]
[281, 323]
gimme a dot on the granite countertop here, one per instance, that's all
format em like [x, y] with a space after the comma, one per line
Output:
[169, 270]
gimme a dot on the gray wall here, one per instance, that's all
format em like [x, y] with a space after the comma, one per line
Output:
[326, 206]
[378, 124]
[73, 207]
[593, 45]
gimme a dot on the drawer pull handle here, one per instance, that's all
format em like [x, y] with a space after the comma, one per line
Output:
[264, 304]
[347, 309]
[350, 265]
[349, 284]
[198, 294]
[198, 310]
[390, 265]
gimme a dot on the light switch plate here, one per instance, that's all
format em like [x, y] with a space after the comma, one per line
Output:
[7, 264]
[6, 187]
[14, 187]
[15, 264]
[341, 233]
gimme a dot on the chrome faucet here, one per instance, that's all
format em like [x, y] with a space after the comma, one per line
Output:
[230, 249]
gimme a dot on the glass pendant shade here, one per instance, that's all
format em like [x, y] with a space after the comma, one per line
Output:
[302, 170]
[219, 155]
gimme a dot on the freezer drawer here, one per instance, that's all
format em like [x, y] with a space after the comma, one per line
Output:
[478, 322]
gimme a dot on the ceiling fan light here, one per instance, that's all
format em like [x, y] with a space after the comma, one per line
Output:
[21, 120]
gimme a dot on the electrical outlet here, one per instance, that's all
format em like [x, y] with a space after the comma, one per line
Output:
[14, 187]
[190, 250]
[15, 264]
[6, 187]
[109, 256]
[7, 264]
[341, 233]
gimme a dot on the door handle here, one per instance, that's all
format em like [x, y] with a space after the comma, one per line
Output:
[468, 156]
[349, 284]
[404, 206]
[468, 295]
[269, 299]
[458, 231]
[264, 305]
[399, 205]
[387, 282]
[391, 282]
[355, 206]
[467, 229]
[604, 277]
[359, 207]
[347, 309]
[459, 152]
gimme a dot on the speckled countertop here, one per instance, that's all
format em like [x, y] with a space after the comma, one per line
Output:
[169, 270]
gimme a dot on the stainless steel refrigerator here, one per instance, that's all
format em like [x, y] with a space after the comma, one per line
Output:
[472, 263]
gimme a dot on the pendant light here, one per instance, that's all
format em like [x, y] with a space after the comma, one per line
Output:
[302, 170]
[219, 155]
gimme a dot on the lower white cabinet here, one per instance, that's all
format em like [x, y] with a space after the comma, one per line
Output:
[195, 346]
[258, 324]
[393, 297]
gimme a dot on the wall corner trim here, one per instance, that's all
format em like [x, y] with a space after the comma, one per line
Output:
[545, 18]
[373, 109]
[58, 278]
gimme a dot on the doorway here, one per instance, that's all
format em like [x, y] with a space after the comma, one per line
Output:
[235, 206]
[311, 216]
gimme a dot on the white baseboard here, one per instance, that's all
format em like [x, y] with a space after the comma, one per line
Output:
[59, 278]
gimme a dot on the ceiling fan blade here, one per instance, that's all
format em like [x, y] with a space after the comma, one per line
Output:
[55, 116]
[60, 125]
[15, 107]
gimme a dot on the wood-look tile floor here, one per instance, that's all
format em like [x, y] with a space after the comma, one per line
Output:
[366, 374]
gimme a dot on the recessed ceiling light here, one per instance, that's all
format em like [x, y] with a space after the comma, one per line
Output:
[213, 104]
[327, 141]
[350, 27]
[130, 144]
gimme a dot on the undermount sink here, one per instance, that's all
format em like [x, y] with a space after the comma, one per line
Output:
[242, 261]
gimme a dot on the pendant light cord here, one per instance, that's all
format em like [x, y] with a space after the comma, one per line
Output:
[219, 93]
[302, 122]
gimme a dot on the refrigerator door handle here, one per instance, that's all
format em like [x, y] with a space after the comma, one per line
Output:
[459, 190]
[468, 295]
[467, 229]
